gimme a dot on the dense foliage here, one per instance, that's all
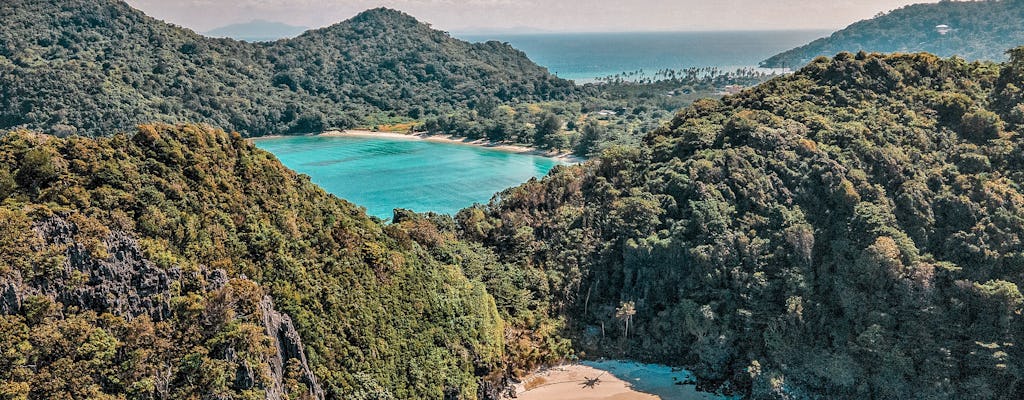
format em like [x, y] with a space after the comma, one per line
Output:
[93, 67]
[380, 316]
[980, 30]
[98, 66]
[852, 230]
[616, 110]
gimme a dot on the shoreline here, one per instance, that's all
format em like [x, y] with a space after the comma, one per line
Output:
[602, 380]
[567, 158]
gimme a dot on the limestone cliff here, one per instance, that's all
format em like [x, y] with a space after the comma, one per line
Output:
[127, 284]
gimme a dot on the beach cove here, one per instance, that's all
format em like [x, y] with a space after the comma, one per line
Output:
[383, 171]
[611, 380]
[562, 156]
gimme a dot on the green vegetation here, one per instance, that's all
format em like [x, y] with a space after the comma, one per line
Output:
[380, 316]
[980, 30]
[852, 230]
[618, 110]
[95, 67]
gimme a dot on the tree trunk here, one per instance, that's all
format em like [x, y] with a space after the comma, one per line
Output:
[586, 303]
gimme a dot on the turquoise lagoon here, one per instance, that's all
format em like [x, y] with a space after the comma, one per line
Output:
[382, 174]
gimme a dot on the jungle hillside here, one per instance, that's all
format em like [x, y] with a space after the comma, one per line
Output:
[972, 30]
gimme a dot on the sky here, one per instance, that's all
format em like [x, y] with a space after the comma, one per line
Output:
[535, 15]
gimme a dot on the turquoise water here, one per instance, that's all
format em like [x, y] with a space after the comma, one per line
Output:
[585, 56]
[382, 174]
[666, 382]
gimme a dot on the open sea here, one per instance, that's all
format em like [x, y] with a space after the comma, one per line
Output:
[585, 56]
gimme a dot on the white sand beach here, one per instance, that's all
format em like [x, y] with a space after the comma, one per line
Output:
[563, 157]
[610, 380]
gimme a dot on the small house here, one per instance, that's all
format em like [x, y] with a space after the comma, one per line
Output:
[733, 89]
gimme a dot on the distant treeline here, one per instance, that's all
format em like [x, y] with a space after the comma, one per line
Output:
[616, 110]
[693, 75]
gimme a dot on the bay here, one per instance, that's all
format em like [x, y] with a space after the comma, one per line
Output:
[382, 174]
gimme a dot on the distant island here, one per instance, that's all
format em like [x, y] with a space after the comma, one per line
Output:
[257, 31]
[973, 30]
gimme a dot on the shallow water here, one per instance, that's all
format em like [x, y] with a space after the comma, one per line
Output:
[662, 381]
[382, 174]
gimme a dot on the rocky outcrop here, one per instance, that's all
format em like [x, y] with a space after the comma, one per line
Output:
[289, 346]
[10, 296]
[127, 284]
[498, 389]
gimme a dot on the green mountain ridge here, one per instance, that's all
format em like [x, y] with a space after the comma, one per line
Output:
[848, 231]
[98, 66]
[141, 266]
[852, 230]
[980, 30]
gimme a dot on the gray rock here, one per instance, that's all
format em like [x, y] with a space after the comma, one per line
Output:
[128, 284]
[216, 279]
[10, 296]
[125, 284]
[289, 346]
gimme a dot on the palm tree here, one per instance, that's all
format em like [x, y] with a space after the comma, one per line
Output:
[625, 312]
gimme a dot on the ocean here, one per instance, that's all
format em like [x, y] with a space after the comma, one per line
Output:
[585, 56]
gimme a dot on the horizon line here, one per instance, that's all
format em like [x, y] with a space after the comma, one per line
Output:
[533, 31]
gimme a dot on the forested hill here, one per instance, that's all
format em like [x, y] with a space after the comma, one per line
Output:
[184, 263]
[853, 230]
[980, 30]
[99, 66]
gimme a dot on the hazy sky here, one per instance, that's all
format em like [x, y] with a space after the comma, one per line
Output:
[550, 15]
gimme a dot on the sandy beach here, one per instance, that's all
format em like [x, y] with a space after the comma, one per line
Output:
[564, 157]
[615, 380]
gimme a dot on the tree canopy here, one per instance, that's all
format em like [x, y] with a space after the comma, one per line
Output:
[172, 207]
[97, 67]
[851, 230]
